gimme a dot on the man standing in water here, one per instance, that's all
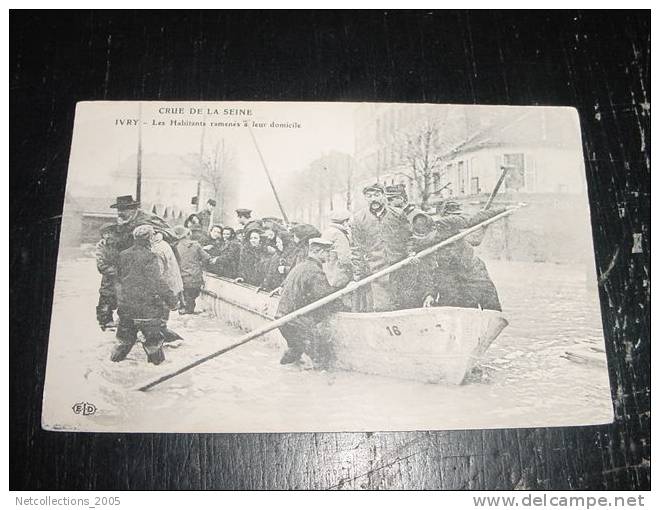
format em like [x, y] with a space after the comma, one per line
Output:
[305, 284]
[107, 257]
[144, 292]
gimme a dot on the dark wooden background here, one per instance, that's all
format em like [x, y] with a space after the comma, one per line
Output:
[598, 62]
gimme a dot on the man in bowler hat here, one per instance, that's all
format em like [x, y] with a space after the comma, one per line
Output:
[130, 216]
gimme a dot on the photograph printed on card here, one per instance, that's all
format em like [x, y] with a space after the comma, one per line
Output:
[302, 267]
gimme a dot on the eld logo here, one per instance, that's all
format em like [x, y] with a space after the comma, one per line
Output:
[84, 408]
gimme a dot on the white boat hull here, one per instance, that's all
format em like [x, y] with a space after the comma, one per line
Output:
[423, 344]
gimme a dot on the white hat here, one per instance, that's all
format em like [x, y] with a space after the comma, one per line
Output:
[319, 241]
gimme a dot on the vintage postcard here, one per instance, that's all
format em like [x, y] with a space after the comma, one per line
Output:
[299, 267]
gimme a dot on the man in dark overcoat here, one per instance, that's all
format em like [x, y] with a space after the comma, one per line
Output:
[460, 277]
[143, 293]
[381, 237]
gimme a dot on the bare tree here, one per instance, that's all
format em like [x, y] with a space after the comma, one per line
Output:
[218, 171]
[422, 152]
[424, 149]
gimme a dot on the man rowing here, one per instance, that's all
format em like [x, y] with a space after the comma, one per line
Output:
[455, 275]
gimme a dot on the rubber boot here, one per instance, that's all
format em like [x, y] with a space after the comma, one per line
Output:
[156, 357]
[170, 336]
[291, 356]
[119, 352]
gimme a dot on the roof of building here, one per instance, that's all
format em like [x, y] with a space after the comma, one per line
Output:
[90, 205]
[529, 127]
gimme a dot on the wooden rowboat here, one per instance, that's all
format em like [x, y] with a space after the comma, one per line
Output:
[423, 344]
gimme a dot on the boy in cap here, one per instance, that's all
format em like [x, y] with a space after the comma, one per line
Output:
[107, 255]
[192, 260]
[144, 292]
[305, 284]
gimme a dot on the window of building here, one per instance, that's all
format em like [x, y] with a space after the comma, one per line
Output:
[474, 186]
[450, 177]
[530, 174]
[460, 174]
[515, 178]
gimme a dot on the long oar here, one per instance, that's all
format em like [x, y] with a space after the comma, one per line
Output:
[351, 287]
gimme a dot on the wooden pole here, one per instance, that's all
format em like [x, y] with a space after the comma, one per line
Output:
[351, 287]
[498, 185]
[270, 181]
[138, 184]
[201, 165]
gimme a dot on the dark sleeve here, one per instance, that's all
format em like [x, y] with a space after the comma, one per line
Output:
[358, 254]
[319, 286]
[406, 232]
[153, 272]
[120, 265]
[104, 264]
[323, 289]
[161, 224]
[242, 263]
[483, 216]
[206, 258]
[448, 226]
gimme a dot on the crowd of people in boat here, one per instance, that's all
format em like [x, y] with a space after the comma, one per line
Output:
[150, 269]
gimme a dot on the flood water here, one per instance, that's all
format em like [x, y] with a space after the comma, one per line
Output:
[523, 380]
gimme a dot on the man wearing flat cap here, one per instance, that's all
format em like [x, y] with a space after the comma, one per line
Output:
[305, 284]
[143, 293]
[381, 236]
[130, 216]
[397, 196]
[245, 221]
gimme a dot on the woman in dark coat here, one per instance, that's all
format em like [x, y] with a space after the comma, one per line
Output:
[191, 220]
[253, 259]
[229, 254]
[279, 264]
